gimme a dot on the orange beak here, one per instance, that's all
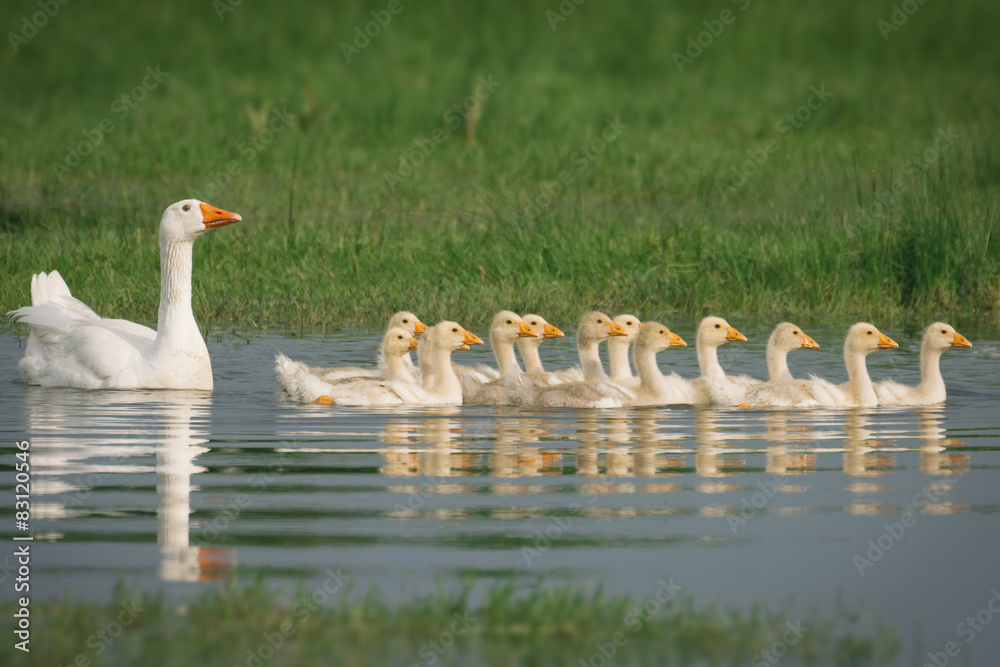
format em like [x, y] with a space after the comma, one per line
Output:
[552, 332]
[419, 327]
[733, 334]
[413, 343]
[216, 217]
[525, 331]
[472, 339]
[676, 341]
[809, 343]
[958, 340]
[884, 342]
[616, 330]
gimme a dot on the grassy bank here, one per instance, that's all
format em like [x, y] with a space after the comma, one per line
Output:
[546, 626]
[593, 174]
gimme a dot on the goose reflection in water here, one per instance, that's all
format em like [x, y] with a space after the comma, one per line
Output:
[70, 469]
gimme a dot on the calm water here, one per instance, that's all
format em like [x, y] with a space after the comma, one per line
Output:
[176, 490]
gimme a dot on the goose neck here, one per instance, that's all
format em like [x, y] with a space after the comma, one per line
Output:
[777, 364]
[590, 361]
[930, 367]
[618, 358]
[503, 352]
[175, 317]
[858, 378]
[529, 355]
[708, 362]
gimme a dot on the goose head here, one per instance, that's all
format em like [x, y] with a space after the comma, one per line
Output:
[408, 321]
[787, 337]
[188, 219]
[863, 339]
[543, 330]
[715, 331]
[397, 342]
[507, 327]
[451, 336]
[941, 336]
[658, 337]
[596, 327]
[631, 325]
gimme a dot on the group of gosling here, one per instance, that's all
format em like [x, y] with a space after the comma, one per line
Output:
[436, 380]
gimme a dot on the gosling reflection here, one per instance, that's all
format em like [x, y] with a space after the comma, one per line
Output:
[935, 458]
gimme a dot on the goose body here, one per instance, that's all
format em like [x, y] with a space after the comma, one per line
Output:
[595, 390]
[937, 338]
[508, 389]
[394, 387]
[72, 346]
[714, 386]
[655, 388]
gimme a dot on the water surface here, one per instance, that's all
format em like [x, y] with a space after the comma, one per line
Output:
[894, 511]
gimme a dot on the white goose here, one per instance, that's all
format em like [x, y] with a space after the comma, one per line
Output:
[618, 347]
[596, 388]
[506, 328]
[654, 387]
[714, 386]
[528, 347]
[938, 337]
[862, 339]
[396, 386]
[72, 346]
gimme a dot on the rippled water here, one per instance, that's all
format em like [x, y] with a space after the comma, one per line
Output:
[895, 511]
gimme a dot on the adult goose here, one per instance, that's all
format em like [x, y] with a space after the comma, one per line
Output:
[72, 346]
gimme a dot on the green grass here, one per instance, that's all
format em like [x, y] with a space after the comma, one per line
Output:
[651, 225]
[543, 626]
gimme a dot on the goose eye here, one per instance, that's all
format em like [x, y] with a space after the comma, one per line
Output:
[600, 321]
[869, 333]
[186, 207]
[944, 331]
[510, 321]
[406, 321]
[629, 323]
[662, 331]
[718, 326]
[795, 333]
[455, 330]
